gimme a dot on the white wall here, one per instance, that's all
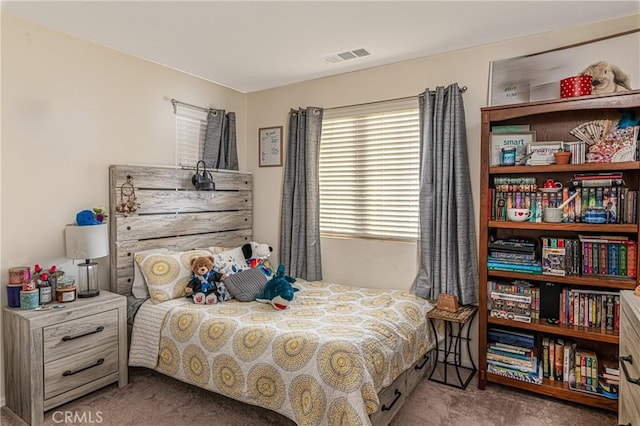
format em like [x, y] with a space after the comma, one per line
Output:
[70, 109]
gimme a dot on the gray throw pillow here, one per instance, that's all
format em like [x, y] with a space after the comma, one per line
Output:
[246, 285]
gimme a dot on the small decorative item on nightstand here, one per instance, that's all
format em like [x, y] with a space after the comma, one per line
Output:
[447, 302]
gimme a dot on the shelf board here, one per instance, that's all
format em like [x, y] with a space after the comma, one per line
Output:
[573, 168]
[558, 390]
[619, 283]
[579, 227]
[568, 330]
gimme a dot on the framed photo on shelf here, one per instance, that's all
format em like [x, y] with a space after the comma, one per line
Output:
[519, 141]
[270, 146]
[542, 152]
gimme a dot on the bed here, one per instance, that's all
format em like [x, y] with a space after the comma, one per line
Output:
[338, 355]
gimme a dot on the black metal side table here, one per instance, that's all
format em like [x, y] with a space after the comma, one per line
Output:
[453, 344]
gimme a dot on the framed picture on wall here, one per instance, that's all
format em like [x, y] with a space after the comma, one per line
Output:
[270, 146]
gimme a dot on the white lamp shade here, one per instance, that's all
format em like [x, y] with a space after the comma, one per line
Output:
[87, 242]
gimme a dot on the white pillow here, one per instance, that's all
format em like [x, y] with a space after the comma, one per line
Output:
[229, 262]
[139, 288]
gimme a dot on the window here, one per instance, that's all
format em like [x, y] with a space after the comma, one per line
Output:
[191, 125]
[369, 171]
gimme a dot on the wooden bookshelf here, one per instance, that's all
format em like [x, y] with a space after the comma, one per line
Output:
[563, 168]
[559, 390]
[552, 120]
[568, 330]
[618, 283]
[575, 227]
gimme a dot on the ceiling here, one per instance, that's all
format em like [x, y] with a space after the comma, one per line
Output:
[256, 45]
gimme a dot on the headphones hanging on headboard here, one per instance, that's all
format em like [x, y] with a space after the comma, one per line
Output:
[203, 181]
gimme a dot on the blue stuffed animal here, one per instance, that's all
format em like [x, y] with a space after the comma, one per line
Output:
[278, 291]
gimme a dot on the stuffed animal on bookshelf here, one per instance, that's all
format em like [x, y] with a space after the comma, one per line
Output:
[279, 290]
[205, 285]
[607, 78]
[628, 119]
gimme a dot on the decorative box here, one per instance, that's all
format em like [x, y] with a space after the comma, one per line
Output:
[579, 85]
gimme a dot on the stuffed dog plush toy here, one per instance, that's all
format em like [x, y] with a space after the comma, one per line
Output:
[607, 78]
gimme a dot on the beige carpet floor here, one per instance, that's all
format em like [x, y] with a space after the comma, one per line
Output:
[156, 400]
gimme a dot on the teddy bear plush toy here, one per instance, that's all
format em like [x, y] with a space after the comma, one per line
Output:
[279, 290]
[256, 255]
[205, 285]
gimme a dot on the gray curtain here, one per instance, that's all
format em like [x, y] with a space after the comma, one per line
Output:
[448, 254]
[220, 150]
[300, 222]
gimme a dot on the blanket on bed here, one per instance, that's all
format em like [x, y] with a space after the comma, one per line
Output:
[322, 361]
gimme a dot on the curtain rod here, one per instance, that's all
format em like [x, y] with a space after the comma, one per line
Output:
[406, 98]
[175, 102]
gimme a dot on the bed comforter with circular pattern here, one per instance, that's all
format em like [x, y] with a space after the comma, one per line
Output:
[322, 361]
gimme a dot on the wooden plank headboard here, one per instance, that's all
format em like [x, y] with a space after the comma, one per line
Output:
[173, 215]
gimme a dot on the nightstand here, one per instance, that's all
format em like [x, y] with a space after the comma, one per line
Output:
[54, 356]
[453, 344]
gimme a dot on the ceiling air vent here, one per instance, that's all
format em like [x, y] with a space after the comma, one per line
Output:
[348, 55]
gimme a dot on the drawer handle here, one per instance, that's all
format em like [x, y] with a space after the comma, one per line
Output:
[397, 393]
[628, 359]
[71, 373]
[426, 359]
[97, 330]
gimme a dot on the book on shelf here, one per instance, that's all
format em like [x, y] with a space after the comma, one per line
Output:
[515, 374]
[608, 255]
[506, 267]
[610, 367]
[508, 337]
[558, 358]
[585, 377]
[589, 308]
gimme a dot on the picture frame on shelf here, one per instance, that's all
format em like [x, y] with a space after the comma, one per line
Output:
[519, 140]
[542, 152]
[270, 146]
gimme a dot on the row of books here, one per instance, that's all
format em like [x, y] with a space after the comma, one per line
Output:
[592, 255]
[619, 205]
[511, 354]
[557, 359]
[512, 254]
[590, 308]
[608, 255]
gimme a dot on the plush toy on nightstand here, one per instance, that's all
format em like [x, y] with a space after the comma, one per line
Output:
[206, 285]
[278, 291]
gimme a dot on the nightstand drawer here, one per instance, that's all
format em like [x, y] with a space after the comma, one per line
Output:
[79, 369]
[79, 335]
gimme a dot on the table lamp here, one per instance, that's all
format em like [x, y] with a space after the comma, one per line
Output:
[87, 242]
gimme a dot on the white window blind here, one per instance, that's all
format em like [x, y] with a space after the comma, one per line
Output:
[191, 124]
[369, 171]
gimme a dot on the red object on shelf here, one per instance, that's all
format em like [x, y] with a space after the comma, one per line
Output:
[579, 85]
